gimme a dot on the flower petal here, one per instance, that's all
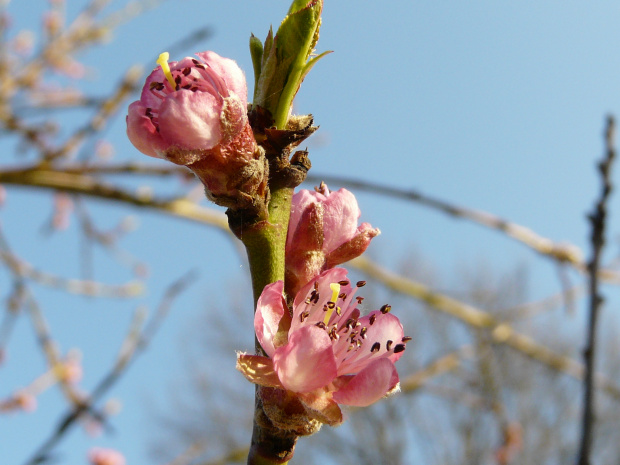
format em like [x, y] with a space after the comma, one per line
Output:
[258, 370]
[191, 120]
[272, 320]
[142, 132]
[307, 362]
[340, 218]
[229, 71]
[369, 385]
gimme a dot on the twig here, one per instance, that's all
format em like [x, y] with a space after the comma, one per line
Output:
[597, 221]
[561, 252]
[128, 354]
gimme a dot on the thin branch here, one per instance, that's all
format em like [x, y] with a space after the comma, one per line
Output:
[133, 346]
[561, 252]
[597, 221]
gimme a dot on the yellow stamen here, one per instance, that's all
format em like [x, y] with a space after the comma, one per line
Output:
[165, 67]
[335, 287]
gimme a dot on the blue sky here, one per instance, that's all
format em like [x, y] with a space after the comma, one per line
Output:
[493, 105]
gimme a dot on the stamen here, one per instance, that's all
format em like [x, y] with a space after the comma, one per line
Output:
[363, 332]
[399, 348]
[344, 282]
[165, 67]
[406, 339]
[376, 347]
[388, 345]
[361, 283]
[373, 317]
[386, 308]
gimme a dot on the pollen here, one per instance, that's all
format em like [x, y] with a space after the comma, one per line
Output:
[165, 67]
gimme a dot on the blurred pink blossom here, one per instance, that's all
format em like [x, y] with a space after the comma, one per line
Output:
[323, 233]
[325, 354]
[100, 456]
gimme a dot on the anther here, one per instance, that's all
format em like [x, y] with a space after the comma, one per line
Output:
[386, 308]
[338, 311]
[363, 332]
[342, 296]
[406, 339]
[344, 282]
[388, 345]
[361, 283]
[303, 316]
[321, 325]
[399, 348]
[376, 347]
[186, 71]
[331, 305]
[373, 317]
[359, 300]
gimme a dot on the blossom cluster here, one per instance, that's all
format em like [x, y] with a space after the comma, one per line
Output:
[319, 352]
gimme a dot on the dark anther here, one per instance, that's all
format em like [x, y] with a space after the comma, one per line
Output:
[154, 85]
[338, 311]
[194, 89]
[361, 283]
[386, 308]
[196, 62]
[325, 308]
[316, 285]
[406, 339]
[321, 325]
[399, 348]
[303, 316]
[363, 332]
[359, 300]
[388, 345]
[331, 304]
[342, 296]
[344, 282]
[177, 79]
[186, 71]
[373, 317]
[376, 347]
[186, 86]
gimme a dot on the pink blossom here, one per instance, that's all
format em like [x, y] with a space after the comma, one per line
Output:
[193, 104]
[323, 233]
[325, 354]
[194, 113]
[100, 456]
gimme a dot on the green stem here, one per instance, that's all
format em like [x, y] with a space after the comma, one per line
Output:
[265, 242]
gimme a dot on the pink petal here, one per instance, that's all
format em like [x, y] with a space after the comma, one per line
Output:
[272, 320]
[369, 385]
[339, 219]
[142, 133]
[191, 120]
[258, 370]
[352, 248]
[229, 71]
[307, 362]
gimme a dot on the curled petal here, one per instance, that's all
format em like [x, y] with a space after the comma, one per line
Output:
[272, 320]
[369, 385]
[142, 132]
[353, 248]
[258, 370]
[191, 120]
[307, 362]
[229, 71]
[340, 218]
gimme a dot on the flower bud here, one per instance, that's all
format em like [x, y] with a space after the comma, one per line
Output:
[194, 113]
[322, 234]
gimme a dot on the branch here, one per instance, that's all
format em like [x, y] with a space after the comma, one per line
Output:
[561, 252]
[597, 221]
